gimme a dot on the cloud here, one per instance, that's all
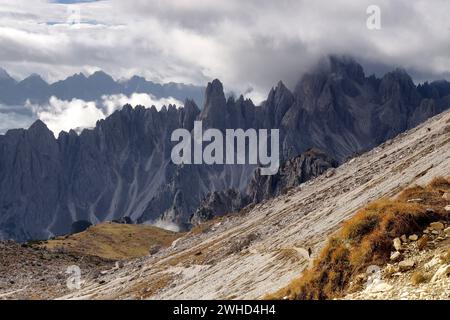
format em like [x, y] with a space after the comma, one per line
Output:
[251, 43]
[115, 102]
[60, 115]
[167, 225]
[15, 117]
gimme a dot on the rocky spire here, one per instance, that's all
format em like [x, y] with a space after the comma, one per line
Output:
[214, 110]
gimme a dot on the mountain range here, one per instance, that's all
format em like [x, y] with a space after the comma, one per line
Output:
[122, 167]
[88, 88]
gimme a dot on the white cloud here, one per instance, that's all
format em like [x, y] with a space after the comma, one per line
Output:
[60, 115]
[115, 102]
[167, 225]
[244, 43]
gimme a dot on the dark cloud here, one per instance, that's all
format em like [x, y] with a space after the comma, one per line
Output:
[252, 43]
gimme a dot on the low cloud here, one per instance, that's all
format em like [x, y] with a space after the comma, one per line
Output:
[61, 115]
[117, 101]
[167, 225]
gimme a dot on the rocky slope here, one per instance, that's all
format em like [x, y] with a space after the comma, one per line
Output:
[417, 273]
[122, 167]
[292, 173]
[31, 273]
[262, 250]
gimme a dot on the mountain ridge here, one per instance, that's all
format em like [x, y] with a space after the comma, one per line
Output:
[122, 167]
[88, 88]
[259, 251]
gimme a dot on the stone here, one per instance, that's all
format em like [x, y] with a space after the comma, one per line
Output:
[395, 256]
[447, 208]
[397, 244]
[406, 265]
[330, 173]
[426, 231]
[446, 196]
[154, 250]
[378, 286]
[447, 231]
[390, 270]
[432, 263]
[441, 273]
[404, 239]
[438, 226]
[413, 237]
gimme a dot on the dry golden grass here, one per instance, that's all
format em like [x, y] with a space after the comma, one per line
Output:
[290, 255]
[419, 277]
[446, 258]
[423, 242]
[366, 239]
[114, 241]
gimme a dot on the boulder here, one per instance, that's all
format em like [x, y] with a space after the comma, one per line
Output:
[124, 220]
[406, 265]
[442, 273]
[79, 226]
[438, 226]
[395, 256]
[397, 244]
[447, 231]
[413, 237]
[154, 250]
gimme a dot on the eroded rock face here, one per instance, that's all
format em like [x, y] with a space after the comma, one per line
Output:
[122, 167]
[292, 173]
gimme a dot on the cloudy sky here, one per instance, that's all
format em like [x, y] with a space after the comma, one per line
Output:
[248, 44]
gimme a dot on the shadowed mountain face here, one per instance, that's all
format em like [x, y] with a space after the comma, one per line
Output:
[292, 173]
[122, 167]
[91, 88]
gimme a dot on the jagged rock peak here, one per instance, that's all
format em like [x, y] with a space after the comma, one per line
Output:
[38, 126]
[4, 74]
[279, 91]
[34, 78]
[214, 87]
[215, 101]
[214, 91]
[190, 106]
[100, 75]
[346, 66]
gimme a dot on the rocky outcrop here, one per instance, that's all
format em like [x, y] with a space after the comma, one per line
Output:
[122, 167]
[219, 203]
[291, 174]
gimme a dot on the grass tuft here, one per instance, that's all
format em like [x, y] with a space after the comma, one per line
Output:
[367, 239]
